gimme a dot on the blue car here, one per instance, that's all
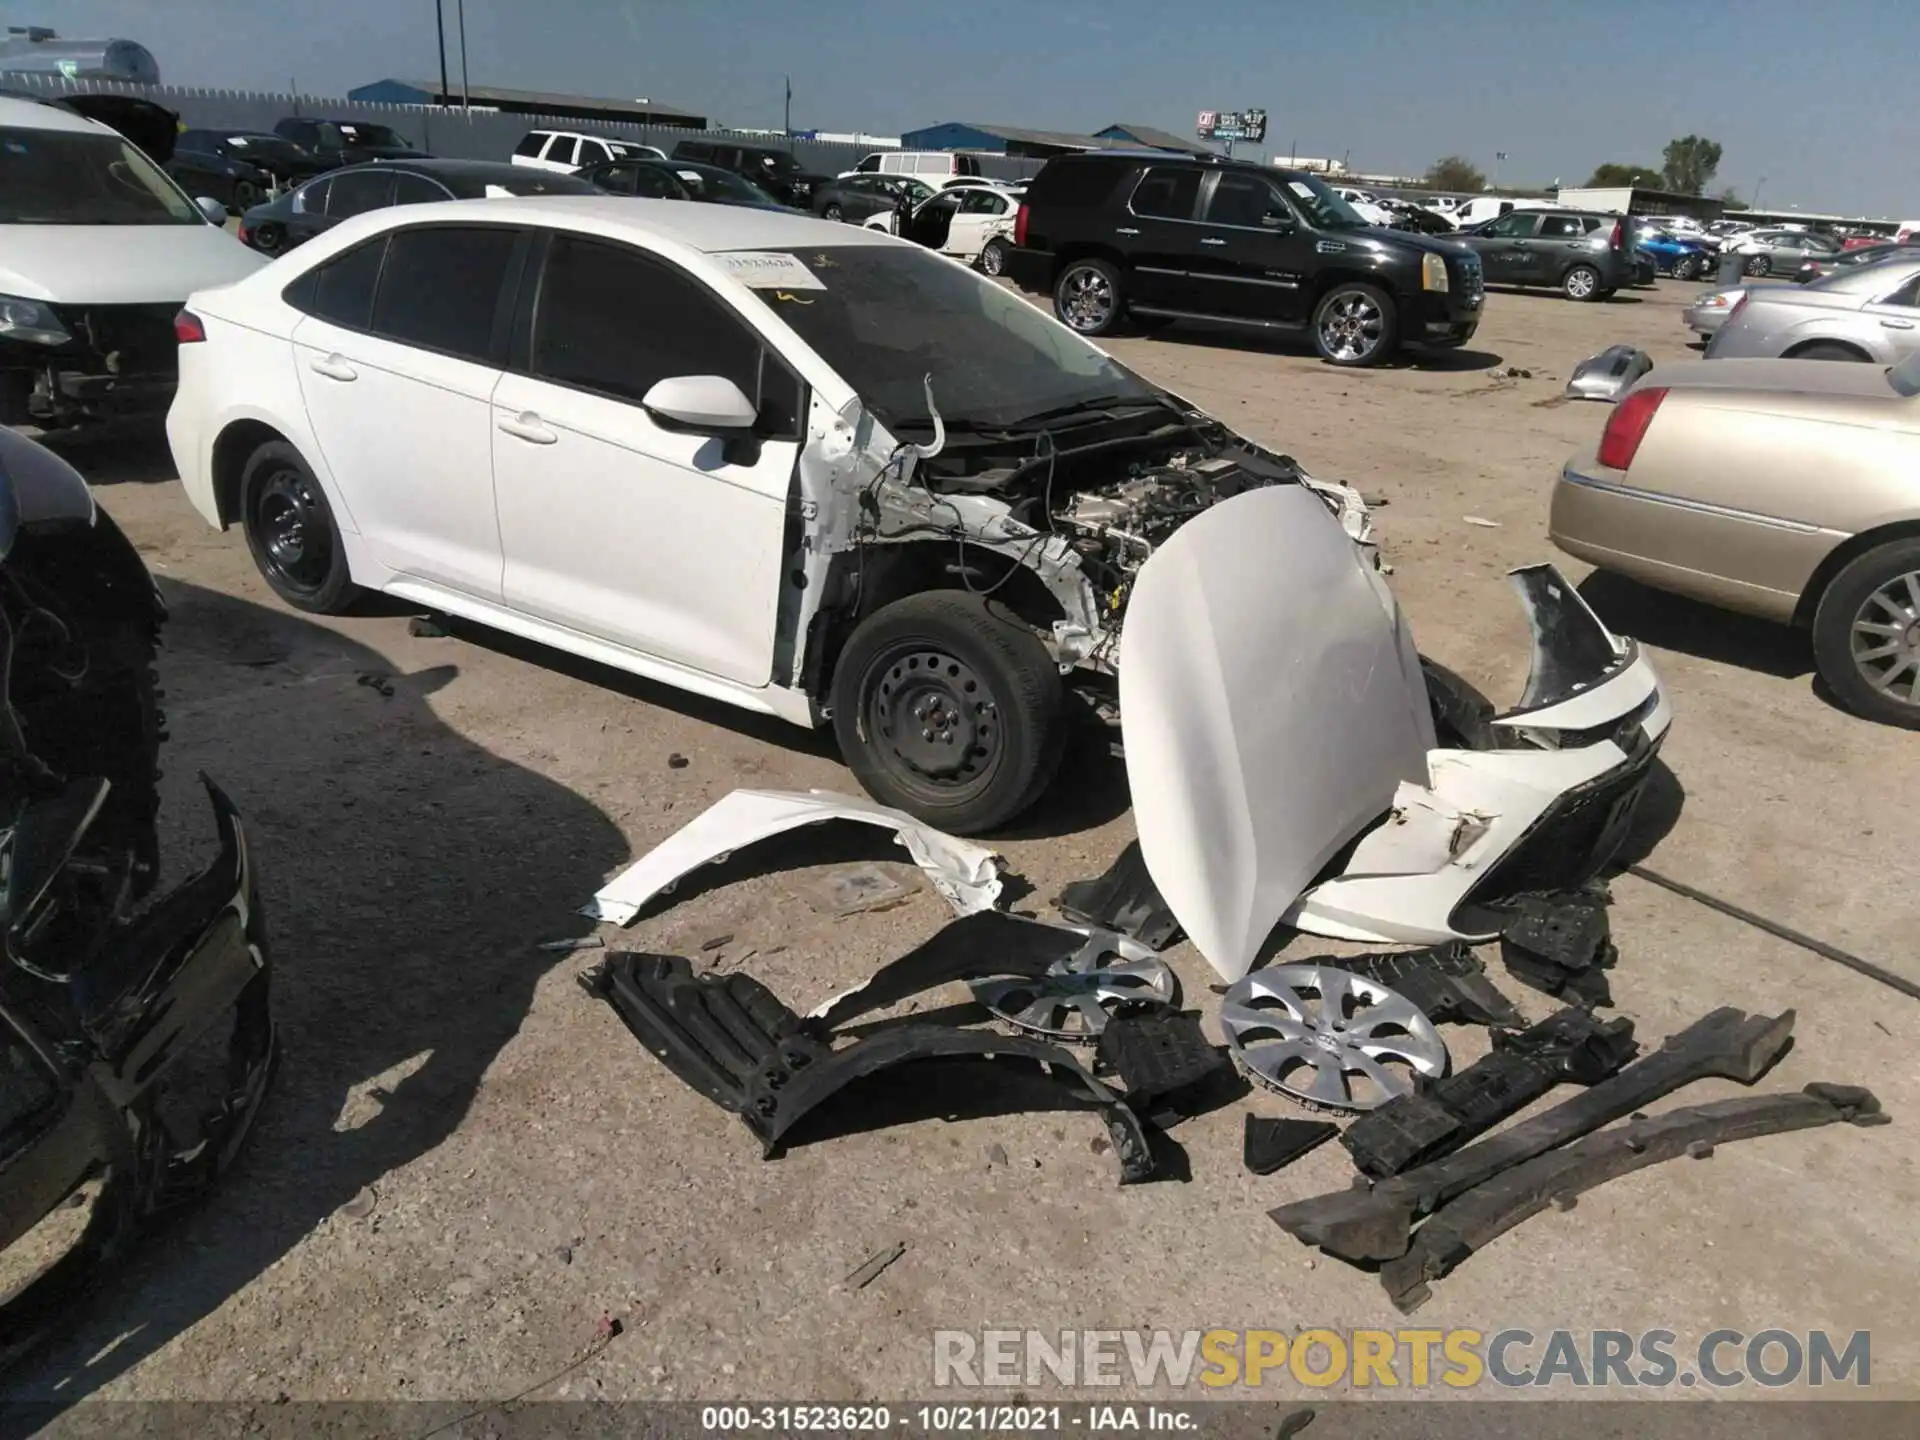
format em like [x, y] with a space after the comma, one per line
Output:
[1682, 259]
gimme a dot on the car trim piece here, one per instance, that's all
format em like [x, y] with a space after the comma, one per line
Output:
[1726, 512]
[968, 875]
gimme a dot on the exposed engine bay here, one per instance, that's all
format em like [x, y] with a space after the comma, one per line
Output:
[1082, 507]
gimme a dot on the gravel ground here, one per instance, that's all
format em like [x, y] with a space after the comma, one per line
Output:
[467, 1163]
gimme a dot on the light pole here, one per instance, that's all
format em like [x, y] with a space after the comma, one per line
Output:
[1499, 156]
[1756, 193]
[440, 29]
[466, 95]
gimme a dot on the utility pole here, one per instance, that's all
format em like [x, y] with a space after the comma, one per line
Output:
[1499, 157]
[1756, 193]
[440, 28]
[787, 121]
[466, 94]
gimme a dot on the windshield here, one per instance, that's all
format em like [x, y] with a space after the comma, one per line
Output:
[379, 135]
[884, 316]
[777, 162]
[709, 182]
[266, 147]
[70, 177]
[519, 180]
[1324, 209]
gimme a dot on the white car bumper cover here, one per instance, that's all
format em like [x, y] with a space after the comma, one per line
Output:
[1276, 717]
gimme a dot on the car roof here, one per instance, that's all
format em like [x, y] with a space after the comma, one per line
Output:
[448, 169]
[712, 229]
[21, 114]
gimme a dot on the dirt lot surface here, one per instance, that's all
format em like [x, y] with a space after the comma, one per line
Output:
[467, 1162]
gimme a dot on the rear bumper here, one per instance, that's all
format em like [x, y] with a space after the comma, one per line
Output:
[1031, 270]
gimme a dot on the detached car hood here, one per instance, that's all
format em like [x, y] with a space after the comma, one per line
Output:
[1281, 744]
[119, 264]
[1272, 703]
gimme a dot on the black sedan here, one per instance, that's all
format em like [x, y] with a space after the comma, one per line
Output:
[324, 202]
[677, 180]
[856, 197]
[241, 167]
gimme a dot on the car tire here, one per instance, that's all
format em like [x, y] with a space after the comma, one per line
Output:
[1582, 282]
[1355, 325]
[1758, 265]
[833, 212]
[246, 195]
[1687, 267]
[949, 709]
[993, 257]
[1828, 350]
[291, 531]
[1874, 594]
[268, 239]
[1088, 297]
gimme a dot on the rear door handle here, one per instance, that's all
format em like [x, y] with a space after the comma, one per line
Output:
[1896, 324]
[334, 368]
[527, 426]
[1210, 240]
[1126, 230]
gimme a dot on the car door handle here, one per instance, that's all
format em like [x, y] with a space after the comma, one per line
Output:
[1896, 324]
[1210, 240]
[527, 426]
[334, 368]
[1126, 230]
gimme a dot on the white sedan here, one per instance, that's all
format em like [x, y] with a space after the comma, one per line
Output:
[971, 222]
[818, 472]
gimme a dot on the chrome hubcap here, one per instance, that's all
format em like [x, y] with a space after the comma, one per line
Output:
[1329, 1038]
[1580, 283]
[1886, 639]
[1351, 327]
[1086, 299]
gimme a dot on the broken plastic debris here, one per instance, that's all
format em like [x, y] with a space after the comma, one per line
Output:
[1481, 521]
[968, 875]
[573, 942]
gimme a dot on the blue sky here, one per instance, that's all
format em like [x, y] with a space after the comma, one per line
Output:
[1815, 97]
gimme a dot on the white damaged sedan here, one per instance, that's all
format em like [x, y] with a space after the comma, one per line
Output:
[824, 474]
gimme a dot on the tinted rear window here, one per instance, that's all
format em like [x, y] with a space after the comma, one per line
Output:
[441, 287]
[1077, 182]
[340, 291]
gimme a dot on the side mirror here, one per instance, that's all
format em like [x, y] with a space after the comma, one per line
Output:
[702, 404]
[1277, 220]
[212, 209]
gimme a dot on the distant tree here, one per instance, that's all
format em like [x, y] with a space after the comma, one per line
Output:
[1456, 172]
[1612, 174]
[1730, 198]
[1689, 163]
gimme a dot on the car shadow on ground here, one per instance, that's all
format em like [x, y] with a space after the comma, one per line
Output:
[408, 878]
[125, 452]
[1090, 789]
[1228, 337]
[1673, 622]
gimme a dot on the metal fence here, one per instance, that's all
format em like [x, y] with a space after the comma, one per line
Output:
[438, 130]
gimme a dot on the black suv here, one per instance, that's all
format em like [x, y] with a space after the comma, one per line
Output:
[774, 170]
[1582, 253]
[1156, 237]
[347, 142]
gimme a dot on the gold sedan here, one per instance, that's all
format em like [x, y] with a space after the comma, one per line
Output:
[1788, 489]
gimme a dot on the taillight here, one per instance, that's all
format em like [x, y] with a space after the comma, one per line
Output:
[1627, 427]
[187, 328]
[1020, 225]
[241, 235]
[1619, 236]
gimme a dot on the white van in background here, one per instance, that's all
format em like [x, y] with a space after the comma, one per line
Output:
[1483, 208]
[935, 167]
[566, 151]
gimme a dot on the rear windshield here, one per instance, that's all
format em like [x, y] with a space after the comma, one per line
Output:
[709, 182]
[884, 316]
[514, 180]
[71, 177]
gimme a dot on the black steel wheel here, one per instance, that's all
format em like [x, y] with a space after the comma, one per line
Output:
[949, 709]
[291, 532]
[267, 238]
